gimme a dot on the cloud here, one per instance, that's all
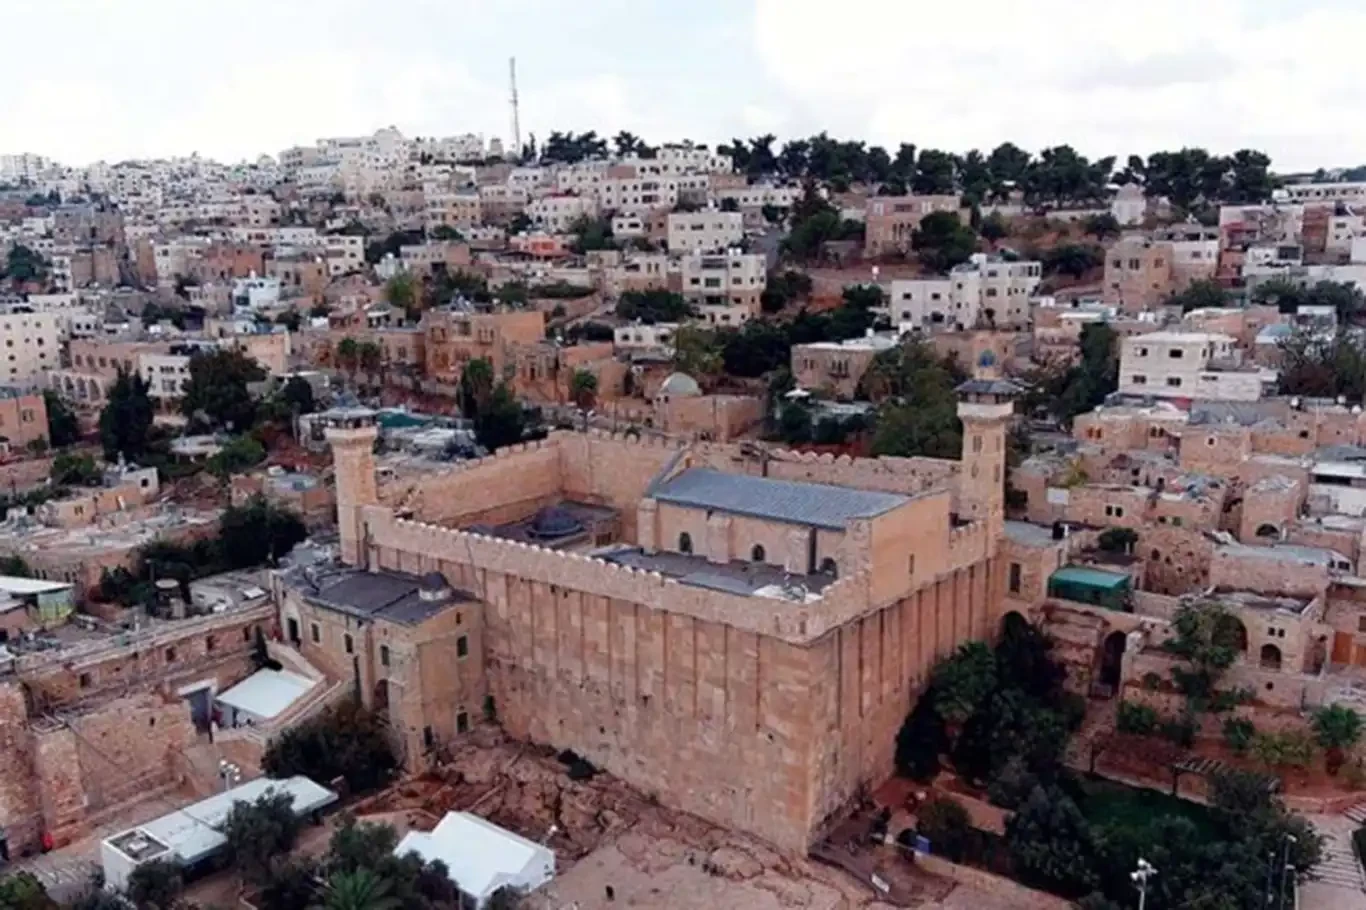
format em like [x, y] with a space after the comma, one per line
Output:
[1107, 78]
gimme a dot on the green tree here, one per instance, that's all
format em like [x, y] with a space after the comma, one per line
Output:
[1205, 293]
[290, 319]
[941, 241]
[237, 454]
[698, 352]
[126, 419]
[15, 567]
[76, 470]
[591, 234]
[1209, 638]
[476, 386]
[945, 823]
[258, 533]
[63, 429]
[259, 832]
[994, 227]
[963, 681]
[583, 389]
[1072, 259]
[156, 885]
[653, 306]
[1052, 845]
[24, 265]
[290, 883]
[401, 292]
[1338, 729]
[347, 741]
[1102, 226]
[217, 390]
[348, 354]
[502, 422]
[359, 890]
[446, 233]
[917, 408]
[370, 356]
[297, 393]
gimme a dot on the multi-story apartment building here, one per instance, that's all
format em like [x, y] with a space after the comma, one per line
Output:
[1321, 193]
[454, 210]
[23, 417]
[435, 255]
[754, 197]
[452, 338]
[558, 213]
[30, 344]
[633, 194]
[963, 298]
[891, 220]
[1138, 273]
[704, 232]
[1189, 365]
[730, 281]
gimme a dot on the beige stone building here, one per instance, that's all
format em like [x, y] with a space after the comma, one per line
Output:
[453, 338]
[684, 659]
[891, 220]
[837, 367]
[707, 231]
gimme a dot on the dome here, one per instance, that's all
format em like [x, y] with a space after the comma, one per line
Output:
[552, 522]
[433, 586]
[680, 384]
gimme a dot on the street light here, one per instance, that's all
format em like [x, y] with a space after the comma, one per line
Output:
[1286, 868]
[230, 774]
[1140, 876]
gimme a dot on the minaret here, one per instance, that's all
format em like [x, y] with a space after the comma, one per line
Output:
[352, 434]
[986, 405]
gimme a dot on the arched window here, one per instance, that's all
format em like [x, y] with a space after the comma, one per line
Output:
[685, 542]
[756, 554]
[1268, 532]
[1271, 657]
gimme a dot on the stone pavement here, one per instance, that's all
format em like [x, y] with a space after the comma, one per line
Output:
[64, 873]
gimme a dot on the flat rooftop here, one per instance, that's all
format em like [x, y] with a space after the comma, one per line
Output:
[746, 579]
[1252, 601]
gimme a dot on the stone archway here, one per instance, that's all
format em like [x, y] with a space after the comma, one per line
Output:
[1270, 657]
[1013, 622]
[1268, 531]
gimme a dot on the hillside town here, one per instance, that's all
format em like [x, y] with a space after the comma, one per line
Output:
[428, 522]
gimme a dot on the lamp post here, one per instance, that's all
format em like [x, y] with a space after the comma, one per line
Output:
[1286, 868]
[1140, 876]
[229, 773]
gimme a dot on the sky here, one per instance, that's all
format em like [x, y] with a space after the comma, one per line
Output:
[230, 79]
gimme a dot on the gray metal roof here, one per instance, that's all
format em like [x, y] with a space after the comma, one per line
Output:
[811, 504]
[394, 596]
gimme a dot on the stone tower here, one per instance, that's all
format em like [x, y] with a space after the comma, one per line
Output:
[986, 405]
[352, 434]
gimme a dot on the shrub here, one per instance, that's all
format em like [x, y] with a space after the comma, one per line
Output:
[1012, 784]
[1152, 681]
[1180, 730]
[945, 823]
[1238, 734]
[1136, 718]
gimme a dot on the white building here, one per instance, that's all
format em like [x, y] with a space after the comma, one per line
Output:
[965, 296]
[1194, 365]
[1322, 192]
[657, 338]
[256, 292]
[191, 836]
[724, 280]
[704, 232]
[481, 857]
[557, 214]
[633, 194]
[30, 344]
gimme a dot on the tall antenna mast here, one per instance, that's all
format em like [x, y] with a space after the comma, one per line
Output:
[516, 122]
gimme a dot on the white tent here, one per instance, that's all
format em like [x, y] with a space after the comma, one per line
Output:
[262, 696]
[481, 856]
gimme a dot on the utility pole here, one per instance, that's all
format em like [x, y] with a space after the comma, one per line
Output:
[516, 120]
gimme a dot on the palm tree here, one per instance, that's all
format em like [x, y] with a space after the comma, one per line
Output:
[476, 385]
[348, 354]
[358, 890]
[583, 389]
[1337, 728]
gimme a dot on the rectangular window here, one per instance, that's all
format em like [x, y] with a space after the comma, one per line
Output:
[1174, 381]
[462, 646]
[1015, 572]
[462, 722]
[1176, 353]
[384, 655]
[349, 644]
[315, 633]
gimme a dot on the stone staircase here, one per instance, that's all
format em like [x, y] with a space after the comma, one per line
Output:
[1339, 866]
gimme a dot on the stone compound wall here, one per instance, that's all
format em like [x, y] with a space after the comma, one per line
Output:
[701, 697]
[57, 772]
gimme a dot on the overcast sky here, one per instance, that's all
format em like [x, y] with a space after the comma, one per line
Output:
[113, 79]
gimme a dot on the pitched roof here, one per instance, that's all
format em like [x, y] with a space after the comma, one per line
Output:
[810, 504]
